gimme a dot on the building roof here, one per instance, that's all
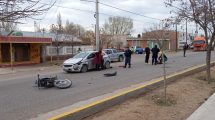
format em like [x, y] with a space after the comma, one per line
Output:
[21, 39]
[53, 36]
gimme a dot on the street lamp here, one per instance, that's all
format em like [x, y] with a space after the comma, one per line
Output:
[176, 33]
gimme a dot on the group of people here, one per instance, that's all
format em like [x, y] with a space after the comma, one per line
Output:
[156, 57]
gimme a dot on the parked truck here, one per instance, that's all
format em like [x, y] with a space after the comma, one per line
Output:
[199, 44]
[114, 55]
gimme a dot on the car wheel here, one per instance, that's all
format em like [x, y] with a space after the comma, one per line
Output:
[107, 65]
[84, 68]
[120, 59]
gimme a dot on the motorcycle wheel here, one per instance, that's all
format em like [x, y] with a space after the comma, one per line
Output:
[63, 83]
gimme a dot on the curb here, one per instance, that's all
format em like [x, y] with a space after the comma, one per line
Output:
[77, 112]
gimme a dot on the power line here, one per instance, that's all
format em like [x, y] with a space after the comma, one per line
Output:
[103, 13]
[88, 11]
[124, 10]
[129, 11]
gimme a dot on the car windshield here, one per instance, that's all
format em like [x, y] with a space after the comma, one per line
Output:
[81, 55]
[199, 42]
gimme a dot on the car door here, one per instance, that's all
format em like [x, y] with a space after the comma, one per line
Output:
[90, 59]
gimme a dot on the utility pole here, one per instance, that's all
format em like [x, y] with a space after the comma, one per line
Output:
[97, 23]
[186, 31]
[97, 26]
[176, 35]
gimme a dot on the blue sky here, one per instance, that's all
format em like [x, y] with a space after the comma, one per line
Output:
[75, 11]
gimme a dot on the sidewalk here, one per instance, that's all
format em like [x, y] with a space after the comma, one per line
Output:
[206, 111]
[6, 71]
[37, 67]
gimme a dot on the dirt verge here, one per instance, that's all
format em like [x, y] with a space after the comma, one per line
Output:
[184, 96]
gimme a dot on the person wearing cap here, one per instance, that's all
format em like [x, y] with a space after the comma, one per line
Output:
[127, 53]
[155, 50]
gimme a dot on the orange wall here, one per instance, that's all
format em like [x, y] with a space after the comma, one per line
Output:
[35, 53]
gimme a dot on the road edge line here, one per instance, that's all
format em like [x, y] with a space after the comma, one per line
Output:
[139, 89]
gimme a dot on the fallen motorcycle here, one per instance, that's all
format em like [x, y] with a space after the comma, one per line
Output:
[48, 82]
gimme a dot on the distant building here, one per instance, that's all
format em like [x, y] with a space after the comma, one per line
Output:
[182, 39]
[167, 37]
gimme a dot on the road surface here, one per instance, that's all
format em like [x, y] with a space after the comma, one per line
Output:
[20, 100]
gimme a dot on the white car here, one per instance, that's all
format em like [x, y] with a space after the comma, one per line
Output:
[83, 61]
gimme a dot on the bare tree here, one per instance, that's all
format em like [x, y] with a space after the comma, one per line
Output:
[118, 25]
[8, 26]
[58, 31]
[73, 29]
[202, 13]
[158, 33]
[13, 10]
[106, 40]
[88, 37]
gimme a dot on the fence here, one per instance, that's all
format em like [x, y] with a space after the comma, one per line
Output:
[66, 50]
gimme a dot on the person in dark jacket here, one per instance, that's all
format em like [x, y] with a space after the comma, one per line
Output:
[127, 53]
[155, 50]
[147, 50]
[185, 48]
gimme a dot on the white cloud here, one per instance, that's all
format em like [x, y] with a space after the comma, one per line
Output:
[72, 10]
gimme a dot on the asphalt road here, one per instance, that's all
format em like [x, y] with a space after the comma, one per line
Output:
[20, 100]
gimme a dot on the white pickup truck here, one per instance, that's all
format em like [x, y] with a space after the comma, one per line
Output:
[114, 55]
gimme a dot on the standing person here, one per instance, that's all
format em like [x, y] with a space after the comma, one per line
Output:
[185, 48]
[98, 59]
[147, 50]
[155, 50]
[128, 53]
[79, 50]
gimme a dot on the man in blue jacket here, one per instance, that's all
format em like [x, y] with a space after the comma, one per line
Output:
[155, 50]
[127, 53]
